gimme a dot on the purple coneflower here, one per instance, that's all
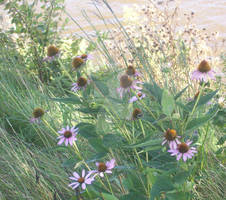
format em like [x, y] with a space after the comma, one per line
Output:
[81, 180]
[78, 61]
[52, 53]
[183, 150]
[131, 71]
[139, 96]
[126, 84]
[80, 84]
[203, 72]
[37, 115]
[104, 168]
[68, 135]
[171, 138]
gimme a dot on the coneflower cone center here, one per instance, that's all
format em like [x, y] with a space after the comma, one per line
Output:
[77, 62]
[82, 82]
[67, 134]
[130, 71]
[102, 167]
[52, 51]
[139, 94]
[183, 147]
[81, 180]
[38, 112]
[125, 81]
[170, 134]
[204, 66]
[84, 56]
[136, 113]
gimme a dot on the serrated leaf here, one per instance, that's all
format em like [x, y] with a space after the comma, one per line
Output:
[167, 103]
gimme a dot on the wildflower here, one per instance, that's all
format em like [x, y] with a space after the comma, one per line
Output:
[183, 150]
[37, 114]
[131, 71]
[68, 135]
[203, 72]
[104, 168]
[137, 113]
[52, 53]
[126, 84]
[171, 138]
[80, 84]
[78, 61]
[81, 180]
[139, 96]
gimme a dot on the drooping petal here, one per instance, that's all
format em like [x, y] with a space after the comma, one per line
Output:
[61, 141]
[83, 186]
[75, 186]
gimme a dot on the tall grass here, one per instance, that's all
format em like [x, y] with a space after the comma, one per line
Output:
[33, 166]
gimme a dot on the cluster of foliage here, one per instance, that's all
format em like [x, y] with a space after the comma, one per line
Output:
[122, 114]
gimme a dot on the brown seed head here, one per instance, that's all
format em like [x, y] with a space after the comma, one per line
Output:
[81, 180]
[84, 56]
[139, 94]
[102, 167]
[52, 51]
[125, 81]
[204, 66]
[38, 112]
[77, 62]
[130, 70]
[170, 134]
[82, 82]
[183, 147]
[67, 134]
[136, 113]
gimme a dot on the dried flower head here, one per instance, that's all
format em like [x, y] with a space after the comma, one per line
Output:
[77, 63]
[37, 114]
[137, 113]
[171, 138]
[183, 150]
[52, 51]
[203, 72]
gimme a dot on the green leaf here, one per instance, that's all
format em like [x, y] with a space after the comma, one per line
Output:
[221, 140]
[162, 184]
[112, 141]
[167, 103]
[180, 177]
[195, 123]
[70, 163]
[203, 100]
[180, 93]
[97, 144]
[155, 90]
[72, 100]
[133, 195]
[101, 86]
[150, 142]
[87, 130]
[177, 196]
[109, 196]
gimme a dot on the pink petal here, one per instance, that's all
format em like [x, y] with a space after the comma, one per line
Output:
[61, 141]
[76, 175]
[75, 186]
[179, 156]
[83, 186]
[83, 173]
[184, 157]
[66, 141]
